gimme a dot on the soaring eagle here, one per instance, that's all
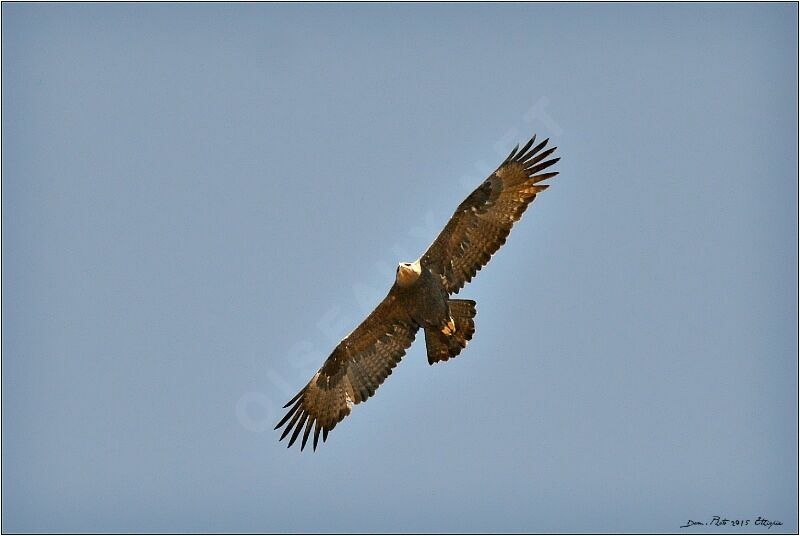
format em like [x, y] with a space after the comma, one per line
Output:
[420, 298]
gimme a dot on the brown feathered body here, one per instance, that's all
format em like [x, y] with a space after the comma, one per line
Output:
[421, 297]
[425, 298]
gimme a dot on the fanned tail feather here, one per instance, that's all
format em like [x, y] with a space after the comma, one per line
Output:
[444, 343]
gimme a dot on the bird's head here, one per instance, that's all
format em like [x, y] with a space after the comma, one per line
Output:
[408, 273]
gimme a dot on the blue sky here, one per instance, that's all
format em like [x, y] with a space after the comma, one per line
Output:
[199, 201]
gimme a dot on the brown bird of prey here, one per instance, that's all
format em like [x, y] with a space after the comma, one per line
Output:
[420, 298]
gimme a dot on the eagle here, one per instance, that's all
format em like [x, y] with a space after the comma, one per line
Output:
[420, 297]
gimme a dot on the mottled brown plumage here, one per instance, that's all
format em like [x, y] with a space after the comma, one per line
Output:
[420, 298]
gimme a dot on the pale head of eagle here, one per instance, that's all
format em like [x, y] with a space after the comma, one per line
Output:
[408, 273]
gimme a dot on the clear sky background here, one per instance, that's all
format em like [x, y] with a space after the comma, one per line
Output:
[200, 201]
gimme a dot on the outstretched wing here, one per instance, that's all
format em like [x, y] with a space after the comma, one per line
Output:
[483, 220]
[352, 373]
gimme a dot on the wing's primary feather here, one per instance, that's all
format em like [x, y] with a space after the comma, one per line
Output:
[483, 220]
[352, 373]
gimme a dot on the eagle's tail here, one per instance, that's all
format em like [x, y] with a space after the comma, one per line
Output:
[450, 339]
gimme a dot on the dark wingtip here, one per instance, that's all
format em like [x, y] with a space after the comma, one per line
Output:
[288, 414]
[543, 177]
[512, 153]
[538, 157]
[317, 429]
[286, 432]
[294, 399]
[539, 167]
[528, 145]
[291, 424]
[297, 429]
[533, 152]
[309, 424]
